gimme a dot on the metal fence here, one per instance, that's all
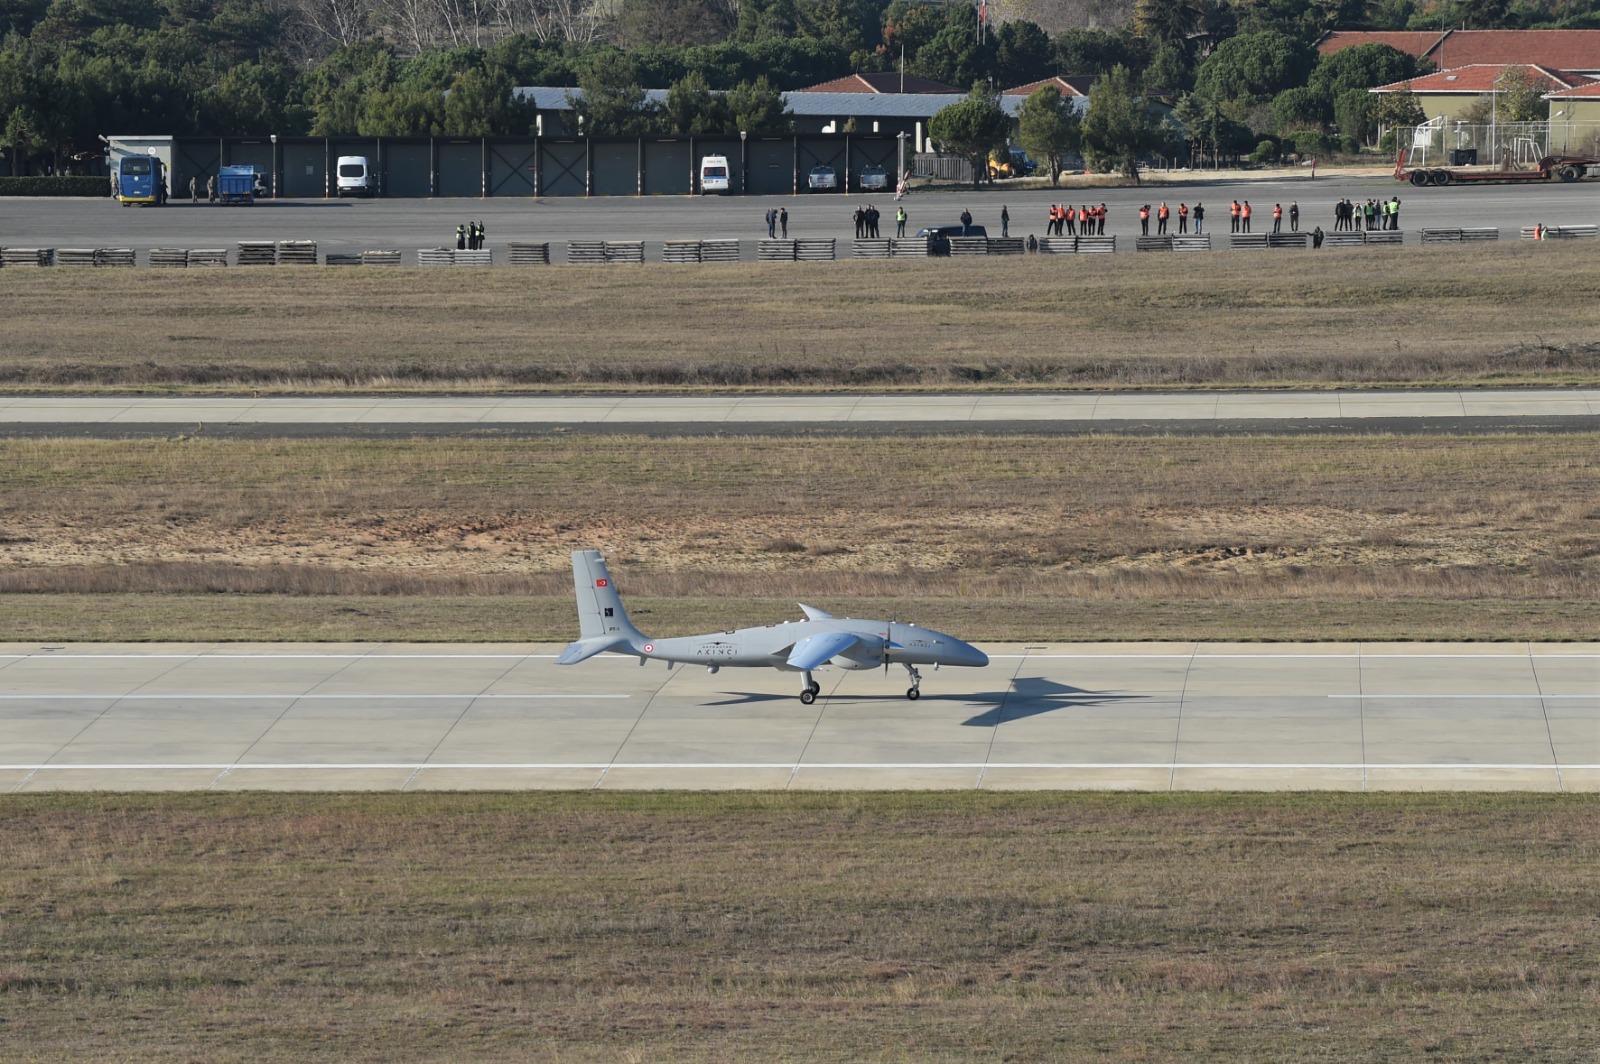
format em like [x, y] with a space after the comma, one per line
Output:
[1507, 145]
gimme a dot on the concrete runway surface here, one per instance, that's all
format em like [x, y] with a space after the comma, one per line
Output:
[1128, 716]
[409, 224]
[712, 412]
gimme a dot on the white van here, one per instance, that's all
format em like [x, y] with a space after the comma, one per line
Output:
[714, 174]
[355, 177]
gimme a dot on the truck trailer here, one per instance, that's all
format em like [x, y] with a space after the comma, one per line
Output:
[1558, 167]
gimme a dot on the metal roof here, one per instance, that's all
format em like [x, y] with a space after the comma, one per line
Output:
[804, 104]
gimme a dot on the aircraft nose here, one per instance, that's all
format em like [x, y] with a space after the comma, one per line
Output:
[971, 655]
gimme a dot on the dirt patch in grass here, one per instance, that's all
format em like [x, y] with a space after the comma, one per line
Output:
[691, 927]
[1009, 534]
[1492, 314]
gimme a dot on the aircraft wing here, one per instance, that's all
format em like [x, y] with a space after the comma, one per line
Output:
[814, 650]
[584, 649]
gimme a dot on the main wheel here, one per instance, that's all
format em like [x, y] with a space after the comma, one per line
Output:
[1440, 177]
[807, 696]
[913, 693]
[1569, 173]
[1419, 177]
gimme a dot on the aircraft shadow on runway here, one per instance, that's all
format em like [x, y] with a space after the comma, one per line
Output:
[1031, 696]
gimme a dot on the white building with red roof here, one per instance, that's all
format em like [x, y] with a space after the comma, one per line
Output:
[1448, 94]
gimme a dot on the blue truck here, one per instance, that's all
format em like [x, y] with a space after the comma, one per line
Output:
[239, 185]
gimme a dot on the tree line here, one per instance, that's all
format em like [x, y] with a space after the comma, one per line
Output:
[1237, 73]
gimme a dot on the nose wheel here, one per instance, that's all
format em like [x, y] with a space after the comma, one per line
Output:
[914, 692]
[809, 693]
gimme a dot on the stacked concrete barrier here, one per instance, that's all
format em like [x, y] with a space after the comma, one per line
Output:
[1247, 241]
[914, 248]
[75, 256]
[297, 253]
[969, 245]
[1201, 242]
[1350, 238]
[380, 257]
[1559, 232]
[121, 257]
[719, 251]
[870, 249]
[436, 256]
[1058, 245]
[814, 250]
[1385, 236]
[1153, 243]
[775, 250]
[257, 253]
[586, 252]
[1097, 245]
[27, 257]
[475, 257]
[527, 253]
[197, 257]
[680, 252]
[169, 258]
[1479, 235]
[1289, 240]
[1008, 245]
[625, 252]
[343, 258]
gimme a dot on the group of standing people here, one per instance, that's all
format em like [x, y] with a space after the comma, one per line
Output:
[470, 237]
[1239, 216]
[867, 219]
[780, 219]
[1349, 216]
[1064, 221]
[1294, 217]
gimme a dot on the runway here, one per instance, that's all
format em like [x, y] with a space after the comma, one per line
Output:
[1544, 406]
[1152, 717]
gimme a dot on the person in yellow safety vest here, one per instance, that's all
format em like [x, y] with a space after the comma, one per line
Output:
[1277, 217]
[1144, 220]
[1162, 214]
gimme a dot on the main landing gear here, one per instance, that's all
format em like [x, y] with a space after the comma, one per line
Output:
[812, 690]
[809, 693]
[914, 692]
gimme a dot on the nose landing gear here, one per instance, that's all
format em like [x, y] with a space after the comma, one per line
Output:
[914, 692]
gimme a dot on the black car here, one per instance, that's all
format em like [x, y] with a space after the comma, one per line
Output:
[939, 235]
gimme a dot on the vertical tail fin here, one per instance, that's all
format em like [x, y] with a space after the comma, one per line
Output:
[602, 622]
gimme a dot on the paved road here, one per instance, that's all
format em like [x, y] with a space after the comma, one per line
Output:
[410, 224]
[1143, 717]
[1197, 412]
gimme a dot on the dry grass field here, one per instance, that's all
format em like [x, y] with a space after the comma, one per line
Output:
[1015, 538]
[1492, 314]
[690, 927]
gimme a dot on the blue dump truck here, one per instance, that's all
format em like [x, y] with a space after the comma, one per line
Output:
[239, 185]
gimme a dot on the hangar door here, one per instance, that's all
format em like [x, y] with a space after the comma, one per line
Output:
[771, 166]
[668, 168]
[563, 167]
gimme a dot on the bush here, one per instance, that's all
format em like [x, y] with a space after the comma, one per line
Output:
[92, 187]
[1265, 152]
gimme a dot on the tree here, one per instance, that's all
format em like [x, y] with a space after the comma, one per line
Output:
[1366, 66]
[1520, 95]
[1169, 73]
[1301, 108]
[1048, 129]
[613, 101]
[955, 56]
[1119, 129]
[1022, 53]
[974, 127]
[691, 108]
[757, 107]
[1353, 114]
[1254, 66]
[1167, 23]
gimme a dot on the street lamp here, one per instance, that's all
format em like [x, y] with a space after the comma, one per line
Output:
[744, 166]
[274, 166]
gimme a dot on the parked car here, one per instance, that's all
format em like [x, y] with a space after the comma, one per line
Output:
[939, 235]
[822, 177]
[873, 179]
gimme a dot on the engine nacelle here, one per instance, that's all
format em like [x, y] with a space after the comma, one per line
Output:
[854, 664]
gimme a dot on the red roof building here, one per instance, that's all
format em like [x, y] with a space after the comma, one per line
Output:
[886, 83]
[1571, 50]
[1074, 86]
[1480, 78]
